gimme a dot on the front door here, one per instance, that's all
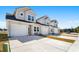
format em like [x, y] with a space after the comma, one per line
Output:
[30, 30]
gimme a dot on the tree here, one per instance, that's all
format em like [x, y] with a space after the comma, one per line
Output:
[77, 29]
[1, 29]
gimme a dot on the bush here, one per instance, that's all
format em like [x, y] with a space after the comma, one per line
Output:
[3, 36]
[77, 29]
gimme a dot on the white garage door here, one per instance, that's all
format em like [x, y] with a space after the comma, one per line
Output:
[44, 30]
[18, 29]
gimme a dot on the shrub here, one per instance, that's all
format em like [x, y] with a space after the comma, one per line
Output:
[3, 36]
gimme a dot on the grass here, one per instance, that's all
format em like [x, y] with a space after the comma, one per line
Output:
[62, 39]
[3, 39]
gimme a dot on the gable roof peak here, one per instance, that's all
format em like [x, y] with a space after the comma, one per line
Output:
[23, 8]
[45, 17]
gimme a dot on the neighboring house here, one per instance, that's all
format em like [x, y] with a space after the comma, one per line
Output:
[24, 22]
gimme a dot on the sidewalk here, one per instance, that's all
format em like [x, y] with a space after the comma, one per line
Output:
[75, 46]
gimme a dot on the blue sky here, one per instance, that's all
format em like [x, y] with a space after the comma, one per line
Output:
[67, 16]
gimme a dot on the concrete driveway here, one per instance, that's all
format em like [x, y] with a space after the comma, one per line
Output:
[68, 37]
[38, 44]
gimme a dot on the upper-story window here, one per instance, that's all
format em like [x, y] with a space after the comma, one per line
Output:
[32, 18]
[55, 21]
[29, 17]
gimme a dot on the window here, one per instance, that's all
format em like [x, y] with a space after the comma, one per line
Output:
[34, 28]
[32, 18]
[21, 14]
[37, 28]
[55, 21]
[29, 17]
[56, 25]
[47, 23]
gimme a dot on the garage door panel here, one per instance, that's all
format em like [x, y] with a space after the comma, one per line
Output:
[18, 29]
